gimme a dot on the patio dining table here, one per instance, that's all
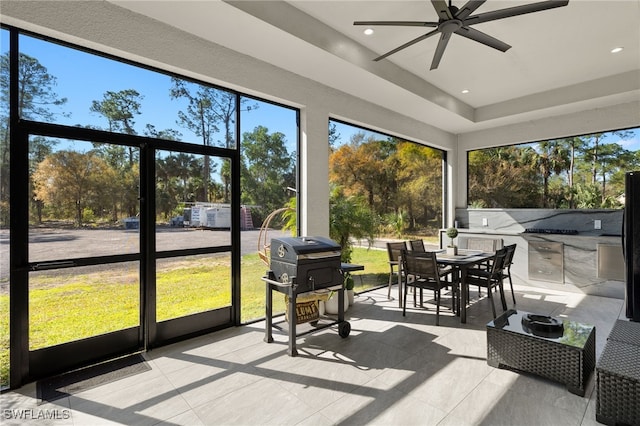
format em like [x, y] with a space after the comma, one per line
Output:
[461, 263]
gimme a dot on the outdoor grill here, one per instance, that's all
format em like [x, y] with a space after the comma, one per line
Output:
[302, 265]
[309, 263]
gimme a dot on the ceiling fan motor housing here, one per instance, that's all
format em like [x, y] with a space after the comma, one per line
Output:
[450, 26]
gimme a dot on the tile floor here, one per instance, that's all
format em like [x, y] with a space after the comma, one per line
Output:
[391, 370]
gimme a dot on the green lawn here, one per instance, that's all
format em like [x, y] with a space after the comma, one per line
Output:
[76, 306]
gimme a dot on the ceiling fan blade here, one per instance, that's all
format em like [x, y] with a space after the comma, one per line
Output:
[514, 11]
[442, 9]
[468, 9]
[404, 46]
[442, 44]
[483, 38]
[398, 23]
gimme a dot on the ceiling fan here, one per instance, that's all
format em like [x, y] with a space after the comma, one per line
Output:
[453, 20]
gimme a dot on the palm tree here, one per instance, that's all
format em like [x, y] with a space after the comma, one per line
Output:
[350, 217]
[573, 145]
[551, 158]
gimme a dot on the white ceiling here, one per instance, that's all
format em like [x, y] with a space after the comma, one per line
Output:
[560, 61]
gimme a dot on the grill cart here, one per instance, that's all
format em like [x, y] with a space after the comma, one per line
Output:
[300, 266]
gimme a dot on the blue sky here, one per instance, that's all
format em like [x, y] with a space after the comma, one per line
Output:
[83, 78]
[632, 144]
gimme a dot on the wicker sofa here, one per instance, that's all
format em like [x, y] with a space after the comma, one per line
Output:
[618, 376]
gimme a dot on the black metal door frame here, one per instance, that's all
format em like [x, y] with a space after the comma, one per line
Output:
[29, 365]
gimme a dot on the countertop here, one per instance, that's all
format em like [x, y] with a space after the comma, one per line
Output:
[522, 233]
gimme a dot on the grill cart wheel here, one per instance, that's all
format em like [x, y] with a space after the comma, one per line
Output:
[344, 328]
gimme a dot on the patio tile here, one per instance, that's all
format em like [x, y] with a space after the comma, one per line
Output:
[202, 383]
[264, 402]
[320, 381]
[146, 403]
[491, 404]
[444, 383]
[188, 418]
[391, 370]
[375, 404]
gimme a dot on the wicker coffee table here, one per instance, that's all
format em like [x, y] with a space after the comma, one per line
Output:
[568, 359]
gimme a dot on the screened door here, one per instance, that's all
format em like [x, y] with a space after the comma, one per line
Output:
[84, 282]
[192, 257]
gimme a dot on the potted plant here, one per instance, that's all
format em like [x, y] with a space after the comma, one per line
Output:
[348, 287]
[452, 248]
[331, 304]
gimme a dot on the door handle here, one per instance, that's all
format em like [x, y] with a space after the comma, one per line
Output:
[53, 265]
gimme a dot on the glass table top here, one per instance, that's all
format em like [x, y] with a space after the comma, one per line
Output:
[571, 333]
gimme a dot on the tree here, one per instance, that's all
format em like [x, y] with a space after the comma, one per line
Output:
[35, 89]
[225, 106]
[200, 117]
[592, 150]
[267, 170]
[167, 134]
[39, 148]
[334, 136]
[36, 101]
[575, 172]
[181, 175]
[418, 174]
[573, 146]
[588, 196]
[120, 108]
[401, 181]
[551, 158]
[350, 217]
[225, 175]
[611, 157]
[360, 167]
[70, 181]
[206, 108]
[503, 177]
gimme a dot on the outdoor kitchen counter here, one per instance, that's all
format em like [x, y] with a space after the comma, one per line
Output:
[592, 263]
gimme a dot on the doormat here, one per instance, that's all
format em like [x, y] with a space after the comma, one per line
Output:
[66, 384]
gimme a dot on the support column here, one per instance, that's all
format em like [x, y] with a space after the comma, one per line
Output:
[314, 178]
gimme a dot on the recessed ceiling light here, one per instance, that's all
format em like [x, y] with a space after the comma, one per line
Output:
[617, 49]
[465, 91]
[368, 31]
